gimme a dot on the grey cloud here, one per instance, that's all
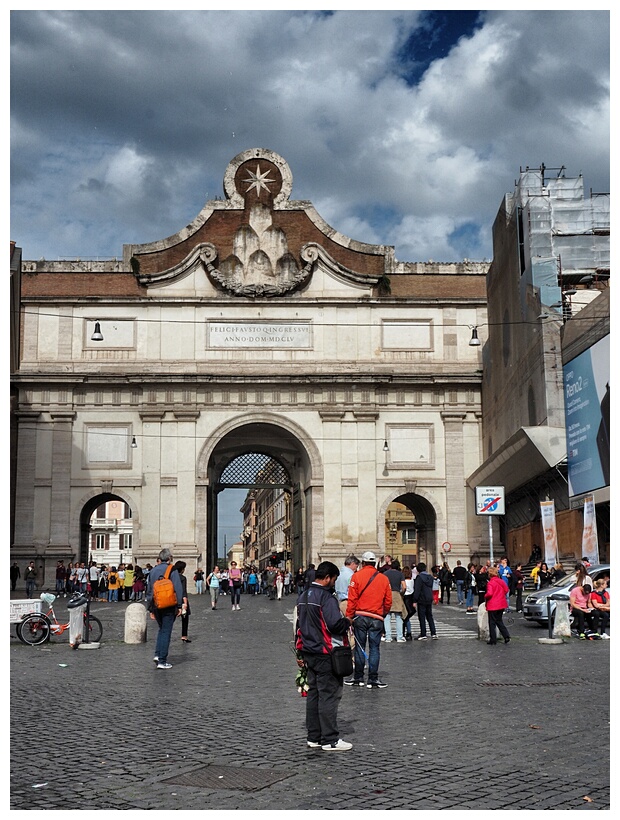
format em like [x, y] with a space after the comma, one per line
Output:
[176, 95]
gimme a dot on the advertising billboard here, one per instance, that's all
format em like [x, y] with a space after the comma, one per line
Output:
[586, 401]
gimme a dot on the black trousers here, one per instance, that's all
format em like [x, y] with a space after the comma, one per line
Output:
[601, 621]
[322, 700]
[496, 622]
[425, 615]
[582, 618]
[446, 588]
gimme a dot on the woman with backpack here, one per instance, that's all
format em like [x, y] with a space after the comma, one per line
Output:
[103, 583]
[113, 585]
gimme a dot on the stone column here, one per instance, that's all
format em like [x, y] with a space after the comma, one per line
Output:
[186, 477]
[367, 445]
[25, 480]
[456, 508]
[332, 466]
[62, 448]
[150, 538]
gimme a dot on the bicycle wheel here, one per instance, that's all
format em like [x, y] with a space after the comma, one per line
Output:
[95, 629]
[33, 630]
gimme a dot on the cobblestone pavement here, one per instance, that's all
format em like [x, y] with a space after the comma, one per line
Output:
[462, 725]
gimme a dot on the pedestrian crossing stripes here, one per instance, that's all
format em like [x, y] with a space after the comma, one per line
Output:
[454, 631]
[451, 631]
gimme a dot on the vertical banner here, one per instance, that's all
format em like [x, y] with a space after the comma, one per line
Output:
[547, 513]
[589, 539]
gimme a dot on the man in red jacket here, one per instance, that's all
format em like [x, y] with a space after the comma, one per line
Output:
[370, 599]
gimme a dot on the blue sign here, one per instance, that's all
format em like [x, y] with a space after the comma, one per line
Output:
[587, 410]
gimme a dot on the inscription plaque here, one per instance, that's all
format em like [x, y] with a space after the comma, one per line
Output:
[263, 335]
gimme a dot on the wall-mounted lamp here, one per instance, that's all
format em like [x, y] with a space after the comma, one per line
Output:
[97, 335]
[474, 341]
[134, 443]
[385, 447]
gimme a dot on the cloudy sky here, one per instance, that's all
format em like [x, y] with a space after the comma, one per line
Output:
[402, 127]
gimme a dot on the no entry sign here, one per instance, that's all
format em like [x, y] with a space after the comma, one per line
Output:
[490, 501]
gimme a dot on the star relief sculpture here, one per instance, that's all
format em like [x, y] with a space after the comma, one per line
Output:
[258, 180]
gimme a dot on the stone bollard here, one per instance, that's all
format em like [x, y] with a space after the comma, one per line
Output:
[483, 623]
[561, 624]
[135, 623]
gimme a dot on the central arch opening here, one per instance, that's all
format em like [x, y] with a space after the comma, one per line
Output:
[259, 489]
[266, 471]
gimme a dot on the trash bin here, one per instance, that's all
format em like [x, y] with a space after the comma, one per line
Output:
[77, 606]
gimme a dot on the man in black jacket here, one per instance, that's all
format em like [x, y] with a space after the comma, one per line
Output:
[460, 574]
[423, 598]
[319, 628]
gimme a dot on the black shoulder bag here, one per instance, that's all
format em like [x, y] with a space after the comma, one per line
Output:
[341, 656]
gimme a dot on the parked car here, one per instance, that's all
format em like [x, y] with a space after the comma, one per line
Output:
[535, 603]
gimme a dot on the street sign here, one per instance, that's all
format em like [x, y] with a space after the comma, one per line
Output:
[446, 546]
[490, 501]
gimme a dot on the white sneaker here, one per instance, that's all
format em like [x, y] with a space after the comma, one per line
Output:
[337, 746]
[605, 636]
[312, 745]
[401, 640]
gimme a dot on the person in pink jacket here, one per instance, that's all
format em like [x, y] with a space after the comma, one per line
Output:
[495, 599]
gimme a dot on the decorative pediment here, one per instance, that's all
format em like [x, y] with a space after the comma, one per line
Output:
[252, 272]
[252, 243]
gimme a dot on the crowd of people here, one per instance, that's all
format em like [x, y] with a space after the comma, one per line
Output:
[102, 582]
[233, 581]
[353, 606]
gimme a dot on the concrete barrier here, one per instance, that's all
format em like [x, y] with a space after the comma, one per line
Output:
[135, 623]
[483, 623]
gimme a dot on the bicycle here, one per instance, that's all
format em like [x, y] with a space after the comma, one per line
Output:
[36, 628]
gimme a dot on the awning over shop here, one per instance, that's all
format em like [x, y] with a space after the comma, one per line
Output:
[527, 454]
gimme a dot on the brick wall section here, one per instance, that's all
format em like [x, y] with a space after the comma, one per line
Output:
[80, 283]
[220, 228]
[87, 284]
[439, 286]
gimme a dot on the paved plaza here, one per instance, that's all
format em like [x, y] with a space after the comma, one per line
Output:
[461, 726]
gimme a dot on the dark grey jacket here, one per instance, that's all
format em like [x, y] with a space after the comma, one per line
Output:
[423, 588]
